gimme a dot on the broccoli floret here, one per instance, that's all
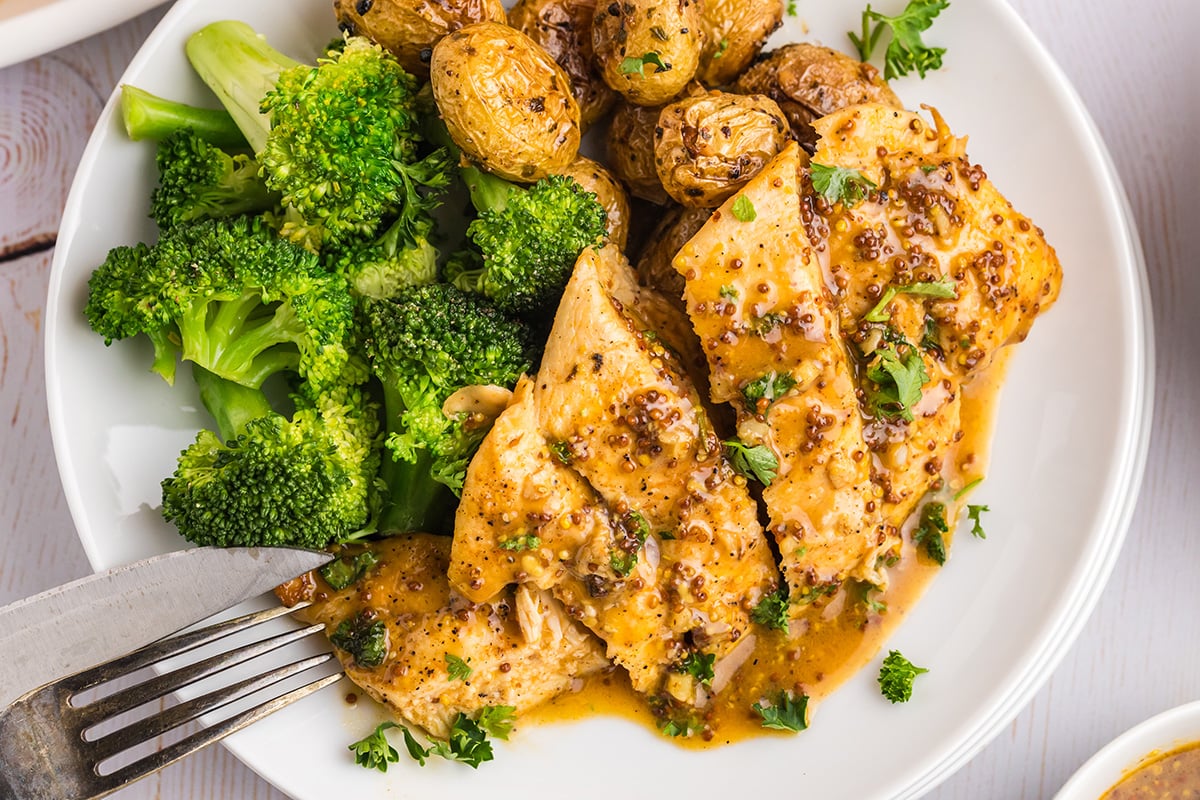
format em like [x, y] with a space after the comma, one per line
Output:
[423, 345]
[338, 140]
[529, 240]
[230, 296]
[403, 255]
[266, 480]
[198, 180]
[147, 116]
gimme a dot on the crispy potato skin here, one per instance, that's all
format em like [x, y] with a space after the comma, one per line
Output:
[808, 81]
[505, 101]
[708, 146]
[734, 33]
[630, 146]
[564, 29]
[410, 28]
[674, 229]
[633, 28]
[608, 190]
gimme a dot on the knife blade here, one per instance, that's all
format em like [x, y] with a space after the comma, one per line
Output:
[95, 619]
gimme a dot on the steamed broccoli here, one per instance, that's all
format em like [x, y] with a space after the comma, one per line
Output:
[148, 116]
[230, 296]
[198, 180]
[266, 480]
[529, 239]
[423, 345]
[338, 140]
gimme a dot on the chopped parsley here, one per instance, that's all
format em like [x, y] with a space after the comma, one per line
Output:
[374, 751]
[772, 611]
[348, 570]
[874, 606]
[743, 209]
[679, 727]
[973, 513]
[526, 541]
[906, 52]
[636, 64]
[943, 289]
[768, 388]
[624, 556]
[896, 676]
[468, 740]
[930, 532]
[929, 338]
[458, 669]
[791, 8]
[363, 637]
[728, 293]
[786, 714]
[722, 46]
[838, 184]
[699, 666]
[898, 374]
[561, 451]
[757, 462]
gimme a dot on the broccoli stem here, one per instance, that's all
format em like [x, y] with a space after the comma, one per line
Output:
[241, 68]
[230, 404]
[415, 501]
[148, 116]
[239, 340]
[488, 192]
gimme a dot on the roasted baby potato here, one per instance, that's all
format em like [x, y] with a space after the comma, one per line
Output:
[708, 146]
[410, 28]
[505, 101]
[630, 147]
[809, 81]
[608, 190]
[673, 231]
[564, 29]
[734, 32]
[648, 50]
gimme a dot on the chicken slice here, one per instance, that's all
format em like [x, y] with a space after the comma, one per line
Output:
[757, 300]
[528, 519]
[521, 647]
[934, 217]
[612, 400]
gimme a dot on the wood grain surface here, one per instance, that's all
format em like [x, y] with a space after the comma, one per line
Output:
[1138, 72]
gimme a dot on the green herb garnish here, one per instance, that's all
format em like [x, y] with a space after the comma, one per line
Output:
[772, 611]
[636, 64]
[526, 541]
[699, 666]
[374, 751]
[898, 379]
[757, 462]
[896, 676]
[363, 637]
[838, 184]
[930, 532]
[906, 52]
[458, 669]
[785, 714]
[943, 289]
[348, 570]
[973, 513]
[743, 209]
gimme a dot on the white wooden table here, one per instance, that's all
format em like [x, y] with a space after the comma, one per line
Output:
[1138, 70]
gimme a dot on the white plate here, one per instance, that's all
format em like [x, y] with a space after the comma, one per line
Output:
[1161, 733]
[30, 28]
[1070, 447]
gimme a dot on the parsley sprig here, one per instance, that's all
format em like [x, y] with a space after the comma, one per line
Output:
[772, 611]
[898, 373]
[374, 751]
[907, 51]
[931, 531]
[896, 676]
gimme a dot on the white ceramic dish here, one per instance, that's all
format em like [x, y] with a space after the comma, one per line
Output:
[29, 28]
[1161, 733]
[1070, 446]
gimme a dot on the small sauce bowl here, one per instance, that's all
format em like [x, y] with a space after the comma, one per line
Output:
[1161, 734]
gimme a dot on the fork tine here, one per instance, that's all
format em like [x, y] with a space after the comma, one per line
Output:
[154, 688]
[174, 645]
[143, 730]
[172, 753]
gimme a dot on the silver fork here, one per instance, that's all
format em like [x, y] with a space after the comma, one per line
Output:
[45, 750]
